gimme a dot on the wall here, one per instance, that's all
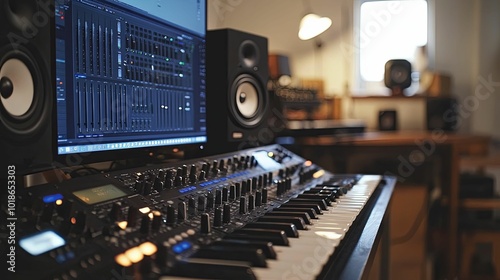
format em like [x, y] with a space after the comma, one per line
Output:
[410, 112]
[464, 43]
[487, 78]
[278, 20]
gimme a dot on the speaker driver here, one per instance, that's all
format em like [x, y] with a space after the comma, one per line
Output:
[25, 101]
[247, 101]
[399, 74]
[249, 53]
[16, 87]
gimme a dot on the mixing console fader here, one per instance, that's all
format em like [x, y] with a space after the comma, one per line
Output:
[244, 215]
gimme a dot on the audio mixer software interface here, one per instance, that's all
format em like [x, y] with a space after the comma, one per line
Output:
[129, 74]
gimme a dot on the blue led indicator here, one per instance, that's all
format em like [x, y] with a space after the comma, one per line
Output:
[185, 245]
[187, 189]
[181, 247]
[52, 198]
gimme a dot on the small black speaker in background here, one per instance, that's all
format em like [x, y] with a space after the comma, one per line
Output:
[279, 70]
[441, 113]
[387, 120]
[238, 105]
[26, 86]
[397, 75]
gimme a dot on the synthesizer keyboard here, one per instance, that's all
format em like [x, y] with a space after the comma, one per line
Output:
[260, 213]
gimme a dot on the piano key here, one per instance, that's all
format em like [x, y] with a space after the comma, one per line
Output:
[253, 256]
[297, 221]
[325, 197]
[277, 237]
[309, 211]
[266, 247]
[289, 228]
[211, 269]
[332, 195]
[303, 215]
[315, 207]
[320, 202]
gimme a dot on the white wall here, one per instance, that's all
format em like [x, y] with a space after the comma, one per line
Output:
[487, 114]
[278, 20]
[455, 34]
[465, 43]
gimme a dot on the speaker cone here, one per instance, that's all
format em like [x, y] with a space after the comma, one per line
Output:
[16, 86]
[247, 101]
[399, 74]
[25, 100]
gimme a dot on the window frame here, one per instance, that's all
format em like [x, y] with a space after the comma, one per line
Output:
[363, 87]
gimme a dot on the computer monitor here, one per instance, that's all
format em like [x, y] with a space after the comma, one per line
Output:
[130, 77]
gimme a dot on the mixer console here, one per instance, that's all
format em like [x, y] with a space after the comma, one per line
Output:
[249, 214]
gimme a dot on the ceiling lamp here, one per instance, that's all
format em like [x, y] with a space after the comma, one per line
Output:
[312, 25]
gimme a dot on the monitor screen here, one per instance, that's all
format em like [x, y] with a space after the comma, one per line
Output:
[130, 76]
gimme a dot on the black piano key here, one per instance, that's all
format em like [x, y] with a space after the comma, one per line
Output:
[332, 194]
[309, 211]
[318, 201]
[213, 269]
[343, 188]
[316, 207]
[329, 189]
[277, 237]
[251, 255]
[301, 214]
[266, 247]
[297, 221]
[325, 197]
[289, 228]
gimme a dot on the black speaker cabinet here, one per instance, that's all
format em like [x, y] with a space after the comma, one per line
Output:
[238, 105]
[26, 86]
[387, 120]
[397, 75]
[441, 113]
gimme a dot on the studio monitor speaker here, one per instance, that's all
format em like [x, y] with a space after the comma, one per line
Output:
[397, 75]
[388, 120]
[441, 113]
[26, 86]
[238, 105]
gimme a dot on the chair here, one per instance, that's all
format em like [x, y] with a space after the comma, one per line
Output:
[482, 240]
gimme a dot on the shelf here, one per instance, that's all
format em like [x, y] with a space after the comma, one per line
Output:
[480, 203]
[361, 97]
[480, 161]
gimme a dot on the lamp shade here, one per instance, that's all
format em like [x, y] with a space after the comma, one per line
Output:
[312, 25]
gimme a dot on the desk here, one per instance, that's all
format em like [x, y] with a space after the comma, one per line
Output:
[411, 149]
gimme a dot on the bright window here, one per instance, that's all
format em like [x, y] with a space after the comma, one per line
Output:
[389, 30]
